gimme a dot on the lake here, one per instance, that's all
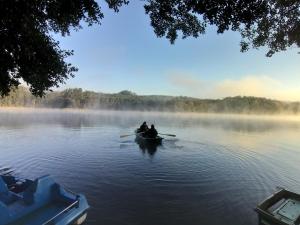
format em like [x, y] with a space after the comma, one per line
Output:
[216, 170]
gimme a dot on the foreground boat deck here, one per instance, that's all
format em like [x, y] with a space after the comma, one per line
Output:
[39, 202]
[42, 214]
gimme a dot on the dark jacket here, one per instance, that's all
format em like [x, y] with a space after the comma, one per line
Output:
[143, 128]
[151, 133]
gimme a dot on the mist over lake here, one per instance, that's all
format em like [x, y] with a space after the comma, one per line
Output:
[215, 171]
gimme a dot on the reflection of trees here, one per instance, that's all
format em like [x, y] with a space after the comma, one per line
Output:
[125, 120]
[237, 124]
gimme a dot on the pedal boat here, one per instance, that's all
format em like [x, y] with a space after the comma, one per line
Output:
[39, 202]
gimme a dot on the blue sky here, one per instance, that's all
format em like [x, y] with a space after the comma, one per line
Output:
[124, 53]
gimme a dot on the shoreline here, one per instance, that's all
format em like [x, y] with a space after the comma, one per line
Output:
[284, 116]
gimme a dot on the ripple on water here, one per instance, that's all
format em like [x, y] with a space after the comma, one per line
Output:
[211, 173]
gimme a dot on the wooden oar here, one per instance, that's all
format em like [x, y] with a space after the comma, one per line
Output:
[127, 135]
[171, 135]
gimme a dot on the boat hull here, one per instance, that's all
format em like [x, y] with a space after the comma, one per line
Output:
[147, 141]
[282, 208]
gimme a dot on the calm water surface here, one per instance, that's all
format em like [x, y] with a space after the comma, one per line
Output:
[214, 172]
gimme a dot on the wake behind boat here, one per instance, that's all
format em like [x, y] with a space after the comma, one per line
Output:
[39, 202]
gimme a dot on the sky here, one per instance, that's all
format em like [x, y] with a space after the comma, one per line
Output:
[125, 54]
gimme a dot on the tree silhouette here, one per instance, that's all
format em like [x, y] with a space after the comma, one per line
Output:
[271, 23]
[77, 98]
[28, 52]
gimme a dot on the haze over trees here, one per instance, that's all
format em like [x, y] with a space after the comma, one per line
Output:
[127, 100]
[28, 52]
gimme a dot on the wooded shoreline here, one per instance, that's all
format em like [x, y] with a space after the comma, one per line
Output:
[126, 100]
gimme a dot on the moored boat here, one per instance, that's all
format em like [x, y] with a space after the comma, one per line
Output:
[145, 140]
[282, 208]
[39, 202]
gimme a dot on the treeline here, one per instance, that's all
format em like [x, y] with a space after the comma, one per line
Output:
[126, 100]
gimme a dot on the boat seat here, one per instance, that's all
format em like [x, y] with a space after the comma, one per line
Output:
[3, 191]
[6, 196]
[60, 194]
[36, 196]
[9, 180]
[40, 191]
[3, 186]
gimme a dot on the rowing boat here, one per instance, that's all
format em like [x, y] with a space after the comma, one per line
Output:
[148, 141]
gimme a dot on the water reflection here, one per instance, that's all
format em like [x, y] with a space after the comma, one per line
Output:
[79, 119]
[216, 168]
[149, 148]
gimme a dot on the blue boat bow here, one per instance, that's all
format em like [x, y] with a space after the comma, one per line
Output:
[42, 201]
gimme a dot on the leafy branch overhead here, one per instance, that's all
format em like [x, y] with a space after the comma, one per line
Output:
[274, 24]
[29, 54]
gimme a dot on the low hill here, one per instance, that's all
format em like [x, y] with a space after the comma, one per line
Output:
[126, 100]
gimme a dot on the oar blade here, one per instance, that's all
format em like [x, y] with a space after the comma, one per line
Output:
[171, 135]
[126, 135]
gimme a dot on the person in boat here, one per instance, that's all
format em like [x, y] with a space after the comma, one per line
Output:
[143, 128]
[151, 133]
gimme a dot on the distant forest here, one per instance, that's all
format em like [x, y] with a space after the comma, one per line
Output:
[126, 100]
